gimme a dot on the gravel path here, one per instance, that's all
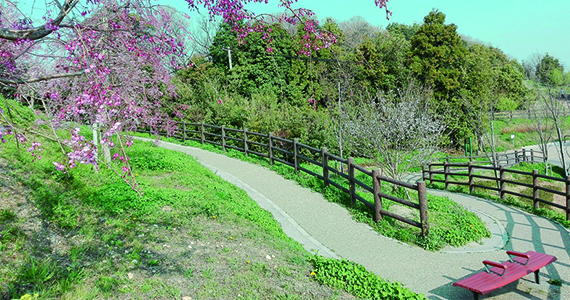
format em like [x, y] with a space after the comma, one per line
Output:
[329, 229]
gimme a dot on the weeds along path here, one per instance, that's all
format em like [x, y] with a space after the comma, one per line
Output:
[328, 228]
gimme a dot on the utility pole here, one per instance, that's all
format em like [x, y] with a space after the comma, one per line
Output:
[339, 125]
[229, 56]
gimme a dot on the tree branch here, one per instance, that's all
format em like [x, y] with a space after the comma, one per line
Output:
[38, 32]
[41, 78]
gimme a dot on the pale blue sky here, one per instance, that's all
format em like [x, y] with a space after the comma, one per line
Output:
[519, 27]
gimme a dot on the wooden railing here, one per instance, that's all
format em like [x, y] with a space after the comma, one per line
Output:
[295, 154]
[525, 114]
[518, 114]
[453, 169]
[502, 159]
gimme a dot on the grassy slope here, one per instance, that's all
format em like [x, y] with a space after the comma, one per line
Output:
[87, 235]
[524, 133]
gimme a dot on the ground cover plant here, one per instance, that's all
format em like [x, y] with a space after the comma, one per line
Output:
[88, 235]
[344, 274]
[523, 203]
[450, 224]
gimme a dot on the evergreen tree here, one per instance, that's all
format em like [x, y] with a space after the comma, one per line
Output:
[437, 59]
[260, 61]
[545, 67]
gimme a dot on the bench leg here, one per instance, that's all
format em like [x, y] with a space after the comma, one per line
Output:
[536, 277]
[476, 296]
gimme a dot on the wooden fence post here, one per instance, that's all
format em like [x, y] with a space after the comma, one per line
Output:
[245, 146]
[325, 166]
[470, 171]
[535, 191]
[532, 156]
[203, 134]
[296, 153]
[224, 137]
[524, 155]
[184, 136]
[567, 198]
[501, 182]
[377, 187]
[271, 161]
[422, 195]
[430, 174]
[516, 157]
[352, 187]
[446, 173]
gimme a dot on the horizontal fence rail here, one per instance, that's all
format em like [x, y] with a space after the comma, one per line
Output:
[295, 154]
[499, 180]
[502, 159]
[516, 114]
[519, 114]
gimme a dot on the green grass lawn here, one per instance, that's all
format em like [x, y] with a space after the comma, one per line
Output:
[87, 235]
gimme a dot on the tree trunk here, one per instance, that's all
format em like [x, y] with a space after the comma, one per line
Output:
[560, 144]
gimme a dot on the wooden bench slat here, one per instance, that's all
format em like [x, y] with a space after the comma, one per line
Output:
[515, 268]
[484, 283]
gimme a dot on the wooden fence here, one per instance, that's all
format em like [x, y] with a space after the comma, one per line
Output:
[502, 159]
[517, 114]
[295, 154]
[523, 114]
[448, 169]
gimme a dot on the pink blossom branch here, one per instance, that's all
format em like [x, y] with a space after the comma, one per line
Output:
[39, 31]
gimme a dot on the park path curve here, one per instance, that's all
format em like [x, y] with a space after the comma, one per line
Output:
[327, 227]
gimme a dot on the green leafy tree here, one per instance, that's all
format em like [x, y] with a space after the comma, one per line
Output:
[492, 82]
[385, 60]
[260, 62]
[545, 67]
[490, 72]
[200, 87]
[437, 59]
[402, 29]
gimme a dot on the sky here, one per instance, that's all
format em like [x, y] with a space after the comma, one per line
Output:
[521, 28]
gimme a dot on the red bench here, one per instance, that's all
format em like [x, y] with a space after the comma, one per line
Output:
[497, 275]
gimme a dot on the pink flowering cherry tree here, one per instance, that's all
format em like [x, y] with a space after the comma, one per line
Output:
[108, 63]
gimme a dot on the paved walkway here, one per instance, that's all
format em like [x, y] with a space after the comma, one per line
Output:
[328, 228]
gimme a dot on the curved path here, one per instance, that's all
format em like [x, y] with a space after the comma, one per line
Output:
[329, 229]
